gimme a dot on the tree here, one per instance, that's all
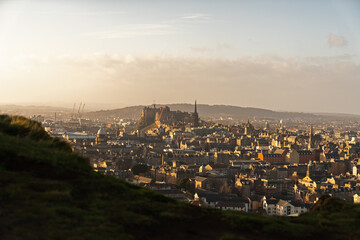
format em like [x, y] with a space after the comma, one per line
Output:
[139, 168]
[225, 188]
[186, 184]
[183, 183]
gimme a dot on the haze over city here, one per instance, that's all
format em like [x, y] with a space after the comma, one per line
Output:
[280, 55]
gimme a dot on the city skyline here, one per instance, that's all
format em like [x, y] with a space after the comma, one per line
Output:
[283, 55]
[165, 119]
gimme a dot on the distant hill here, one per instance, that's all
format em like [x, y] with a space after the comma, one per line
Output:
[206, 112]
[50, 192]
[32, 109]
[216, 111]
[46, 111]
[126, 113]
[338, 115]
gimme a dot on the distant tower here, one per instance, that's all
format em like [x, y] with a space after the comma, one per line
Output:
[354, 170]
[202, 170]
[162, 160]
[308, 169]
[311, 138]
[195, 116]
[248, 128]
[117, 131]
[101, 137]
[267, 126]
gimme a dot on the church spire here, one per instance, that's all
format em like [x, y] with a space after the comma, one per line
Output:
[195, 116]
[308, 169]
[311, 138]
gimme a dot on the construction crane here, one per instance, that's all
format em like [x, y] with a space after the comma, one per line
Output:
[79, 109]
[82, 110]
[73, 111]
[157, 122]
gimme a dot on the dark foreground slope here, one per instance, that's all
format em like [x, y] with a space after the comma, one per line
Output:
[48, 192]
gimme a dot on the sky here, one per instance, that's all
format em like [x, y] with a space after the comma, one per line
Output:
[282, 55]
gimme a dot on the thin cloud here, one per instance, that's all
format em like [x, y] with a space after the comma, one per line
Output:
[331, 59]
[200, 49]
[100, 13]
[196, 16]
[218, 47]
[224, 46]
[336, 40]
[134, 30]
[74, 13]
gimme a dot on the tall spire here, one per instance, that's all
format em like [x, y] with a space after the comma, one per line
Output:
[195, 117]
[311, 138]
[308, 169]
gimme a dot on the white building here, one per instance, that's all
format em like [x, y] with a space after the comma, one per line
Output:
[285, 208]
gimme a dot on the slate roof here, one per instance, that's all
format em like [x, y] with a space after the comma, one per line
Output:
[282, 203]
[232, 204]
[272, 155]
[216, 197]
[200, 179]
[304, 152]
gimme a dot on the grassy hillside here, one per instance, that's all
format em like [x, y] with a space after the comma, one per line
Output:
[49, 192]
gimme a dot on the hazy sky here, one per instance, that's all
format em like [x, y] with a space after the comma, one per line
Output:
[281, 55]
